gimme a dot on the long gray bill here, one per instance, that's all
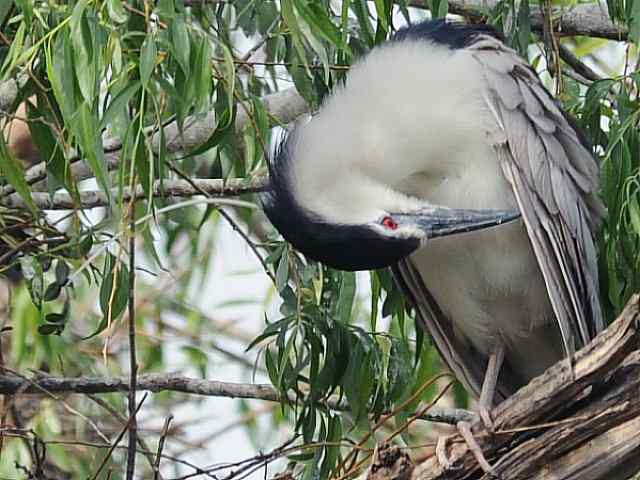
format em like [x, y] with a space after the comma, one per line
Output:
[443, 221]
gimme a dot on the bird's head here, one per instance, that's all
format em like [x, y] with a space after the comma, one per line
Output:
[355, 222]
[353, 187]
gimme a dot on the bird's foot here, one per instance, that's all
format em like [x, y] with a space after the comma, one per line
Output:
[441, 454]
[464, 429]
[486, 419]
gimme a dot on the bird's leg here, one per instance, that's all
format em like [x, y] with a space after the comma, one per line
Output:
[485, 404]
[489, 384]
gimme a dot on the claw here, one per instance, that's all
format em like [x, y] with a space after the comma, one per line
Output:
[464, 428]
[487, 420]
[441, 454]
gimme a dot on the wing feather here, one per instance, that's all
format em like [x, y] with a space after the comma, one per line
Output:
[554, 177]
[466, 363]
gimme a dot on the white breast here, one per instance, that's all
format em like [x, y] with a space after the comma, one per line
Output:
[488, 283]
[421, 128]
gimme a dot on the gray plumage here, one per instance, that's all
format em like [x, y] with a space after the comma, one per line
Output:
[447, 116]
[555, 180]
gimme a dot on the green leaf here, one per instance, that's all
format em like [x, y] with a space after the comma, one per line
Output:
[309, 426]
[11, 168]
[56, 318]
[181, 44]
[26, 6]
[203, 74]
[85, 126]
[634, 214]
[62, 272]
[16, 48]
[84, 44]
[362, 14]
[381, 10]
[85, 245]
[285, 358]
[60, 70]
[634, 22]
[229, 76]
[118, 104]
[52, 292]
[4, 10]
[358, 381]
[334, 435]
[224, 126]
[50, 329]
[271, 367]
[347, 296]
[116, 11]
[316, 16]
[282, 272]
[148, 55]
[296, 34]
[114, 292]
[271, 330]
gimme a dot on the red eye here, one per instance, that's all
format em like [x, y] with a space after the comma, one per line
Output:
[390, 223]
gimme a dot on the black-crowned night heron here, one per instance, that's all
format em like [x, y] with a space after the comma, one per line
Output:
[436, 136]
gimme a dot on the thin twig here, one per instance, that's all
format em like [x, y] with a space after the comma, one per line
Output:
[133, 363]
[230, 221]
[163, 436]
[578, 66]
[144, 448]
[118, 439]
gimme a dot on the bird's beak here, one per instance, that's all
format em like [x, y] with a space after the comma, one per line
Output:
[436, 221]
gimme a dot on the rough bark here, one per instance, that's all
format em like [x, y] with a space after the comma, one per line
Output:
[579, 421]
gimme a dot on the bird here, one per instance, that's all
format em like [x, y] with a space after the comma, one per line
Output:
[444, 157]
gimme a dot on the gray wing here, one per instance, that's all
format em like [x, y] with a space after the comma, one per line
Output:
[466, 363]
[555, 181]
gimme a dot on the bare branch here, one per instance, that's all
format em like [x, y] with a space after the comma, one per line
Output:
[10, 384]
[583, 19]
[164, 189]
[133, 362]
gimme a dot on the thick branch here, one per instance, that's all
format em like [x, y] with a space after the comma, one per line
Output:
[569, 423]
[583, 19]
[164, 189]
[10, 384]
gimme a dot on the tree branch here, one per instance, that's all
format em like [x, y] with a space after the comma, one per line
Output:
[583, 19]
[284, 106]
[10, 384]
[579, 421]
[164, 189]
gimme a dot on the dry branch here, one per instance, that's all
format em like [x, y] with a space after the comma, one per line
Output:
[166, 189]
[583, 19]
[12, 384]
[569, 423]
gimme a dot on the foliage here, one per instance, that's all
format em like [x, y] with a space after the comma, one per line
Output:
[104, 81]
